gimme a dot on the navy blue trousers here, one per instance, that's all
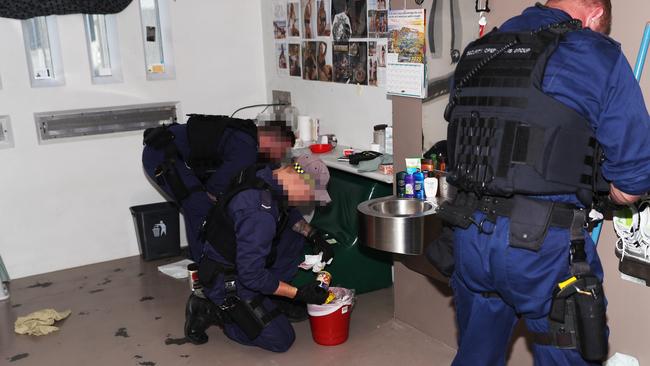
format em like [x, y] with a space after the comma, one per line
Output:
[278, 335]
[525, 280]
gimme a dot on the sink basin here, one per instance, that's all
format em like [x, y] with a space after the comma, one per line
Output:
[396, 225]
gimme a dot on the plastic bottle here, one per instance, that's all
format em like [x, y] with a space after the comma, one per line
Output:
[388, 145]
[430, 187]
[442, 164]
[409, 186]
[400, 184]
[418, 187]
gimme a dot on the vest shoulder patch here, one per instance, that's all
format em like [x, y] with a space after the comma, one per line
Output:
[266, 200]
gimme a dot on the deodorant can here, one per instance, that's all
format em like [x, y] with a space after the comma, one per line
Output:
[401, 184]
[418, 185]
[409, 186]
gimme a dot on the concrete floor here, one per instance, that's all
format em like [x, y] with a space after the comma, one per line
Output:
[125, 312]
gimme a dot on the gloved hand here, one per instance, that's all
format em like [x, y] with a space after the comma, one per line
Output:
[312, 293]
[317, 239]
[604, 203]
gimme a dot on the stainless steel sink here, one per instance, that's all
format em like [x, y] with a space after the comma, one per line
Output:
[396, 225]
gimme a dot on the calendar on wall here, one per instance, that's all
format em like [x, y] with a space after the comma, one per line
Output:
[406, 62]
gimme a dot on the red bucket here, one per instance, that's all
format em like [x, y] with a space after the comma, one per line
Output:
[333, 328]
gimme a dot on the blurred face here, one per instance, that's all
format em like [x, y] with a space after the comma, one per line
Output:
[274, 144]
[298, 188]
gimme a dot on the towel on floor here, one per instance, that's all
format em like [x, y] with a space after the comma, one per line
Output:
[39, 322]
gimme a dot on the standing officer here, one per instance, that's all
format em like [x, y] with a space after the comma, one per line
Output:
[253, 254]
[542, 110]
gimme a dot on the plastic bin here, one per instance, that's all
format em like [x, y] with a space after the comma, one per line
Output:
[157, 226]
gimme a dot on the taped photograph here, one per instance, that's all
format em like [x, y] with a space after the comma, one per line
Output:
[324, 59]
[295, 68]
[279, 19]
[308, 18]
[293, 19]
[324, 18]
[309, 62]
[282, 59]
[341, 62]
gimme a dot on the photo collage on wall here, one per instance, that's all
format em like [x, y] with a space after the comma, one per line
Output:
[343, 41]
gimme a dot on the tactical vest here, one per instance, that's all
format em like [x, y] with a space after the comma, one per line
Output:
[219, 229]
[204, 133]
[505, 136]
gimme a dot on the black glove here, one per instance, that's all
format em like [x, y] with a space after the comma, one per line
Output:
[312, 293]
[317, 239]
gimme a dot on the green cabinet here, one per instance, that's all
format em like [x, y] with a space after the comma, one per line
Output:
[355, 265]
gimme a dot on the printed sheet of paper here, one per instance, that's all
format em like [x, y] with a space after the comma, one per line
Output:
[280, 19]
[324, 18]
[293, 19]
[282, 59]
[405, 62]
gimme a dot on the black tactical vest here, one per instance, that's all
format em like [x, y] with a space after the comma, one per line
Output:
[506, 136]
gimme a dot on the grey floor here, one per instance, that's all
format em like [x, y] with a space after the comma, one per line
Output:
[125, 312]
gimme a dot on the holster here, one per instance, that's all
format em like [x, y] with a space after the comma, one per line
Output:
[249, 315]
[440, 252]
[577, 318]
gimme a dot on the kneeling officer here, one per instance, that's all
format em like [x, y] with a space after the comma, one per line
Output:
[253, 253]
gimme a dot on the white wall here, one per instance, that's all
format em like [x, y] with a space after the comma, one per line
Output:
[66, 204]
[348, 111]
[439, 64]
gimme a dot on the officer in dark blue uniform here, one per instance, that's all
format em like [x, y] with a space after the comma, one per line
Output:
[530, 102]
[245, 269]
[193, 163]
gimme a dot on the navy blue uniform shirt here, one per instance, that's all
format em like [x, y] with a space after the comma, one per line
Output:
[589, 73]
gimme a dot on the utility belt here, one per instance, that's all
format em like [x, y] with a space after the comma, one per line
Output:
[529, 218]
[249, 315]
[577, 318]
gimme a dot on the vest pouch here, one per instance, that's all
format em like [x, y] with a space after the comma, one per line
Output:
[247, 315]
[529, 222]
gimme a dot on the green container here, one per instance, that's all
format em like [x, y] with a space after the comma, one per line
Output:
[355, 266]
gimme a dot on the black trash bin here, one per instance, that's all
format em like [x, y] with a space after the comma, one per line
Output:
[158, 230]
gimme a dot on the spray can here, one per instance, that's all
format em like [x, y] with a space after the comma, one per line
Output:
[193, 275]
[325, 278]
[418, 185]
[400, 184]
[409, 186]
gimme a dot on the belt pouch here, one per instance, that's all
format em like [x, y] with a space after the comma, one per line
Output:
[529, 221]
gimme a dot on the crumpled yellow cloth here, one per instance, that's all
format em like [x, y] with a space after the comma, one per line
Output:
[39, 322]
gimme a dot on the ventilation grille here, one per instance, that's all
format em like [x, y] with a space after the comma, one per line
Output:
[100, 121]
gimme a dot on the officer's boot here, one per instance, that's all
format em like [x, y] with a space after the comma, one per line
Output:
[200, 314]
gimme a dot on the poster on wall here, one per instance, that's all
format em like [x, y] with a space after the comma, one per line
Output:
[309, 62]
[350, 62]
[376, 68]
[282, 59]
[293, 20]
[280, 19]
[308, 16]
[324, 60]
[341, 62]
[295, 68]
[324, 18]
[350, 18]
[359, 62]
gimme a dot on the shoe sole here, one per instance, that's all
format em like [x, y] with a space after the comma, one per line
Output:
[634, 267]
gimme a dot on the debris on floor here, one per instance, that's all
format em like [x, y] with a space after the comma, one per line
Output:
[39, 322]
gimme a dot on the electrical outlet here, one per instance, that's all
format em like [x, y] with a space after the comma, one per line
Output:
[280, 96]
